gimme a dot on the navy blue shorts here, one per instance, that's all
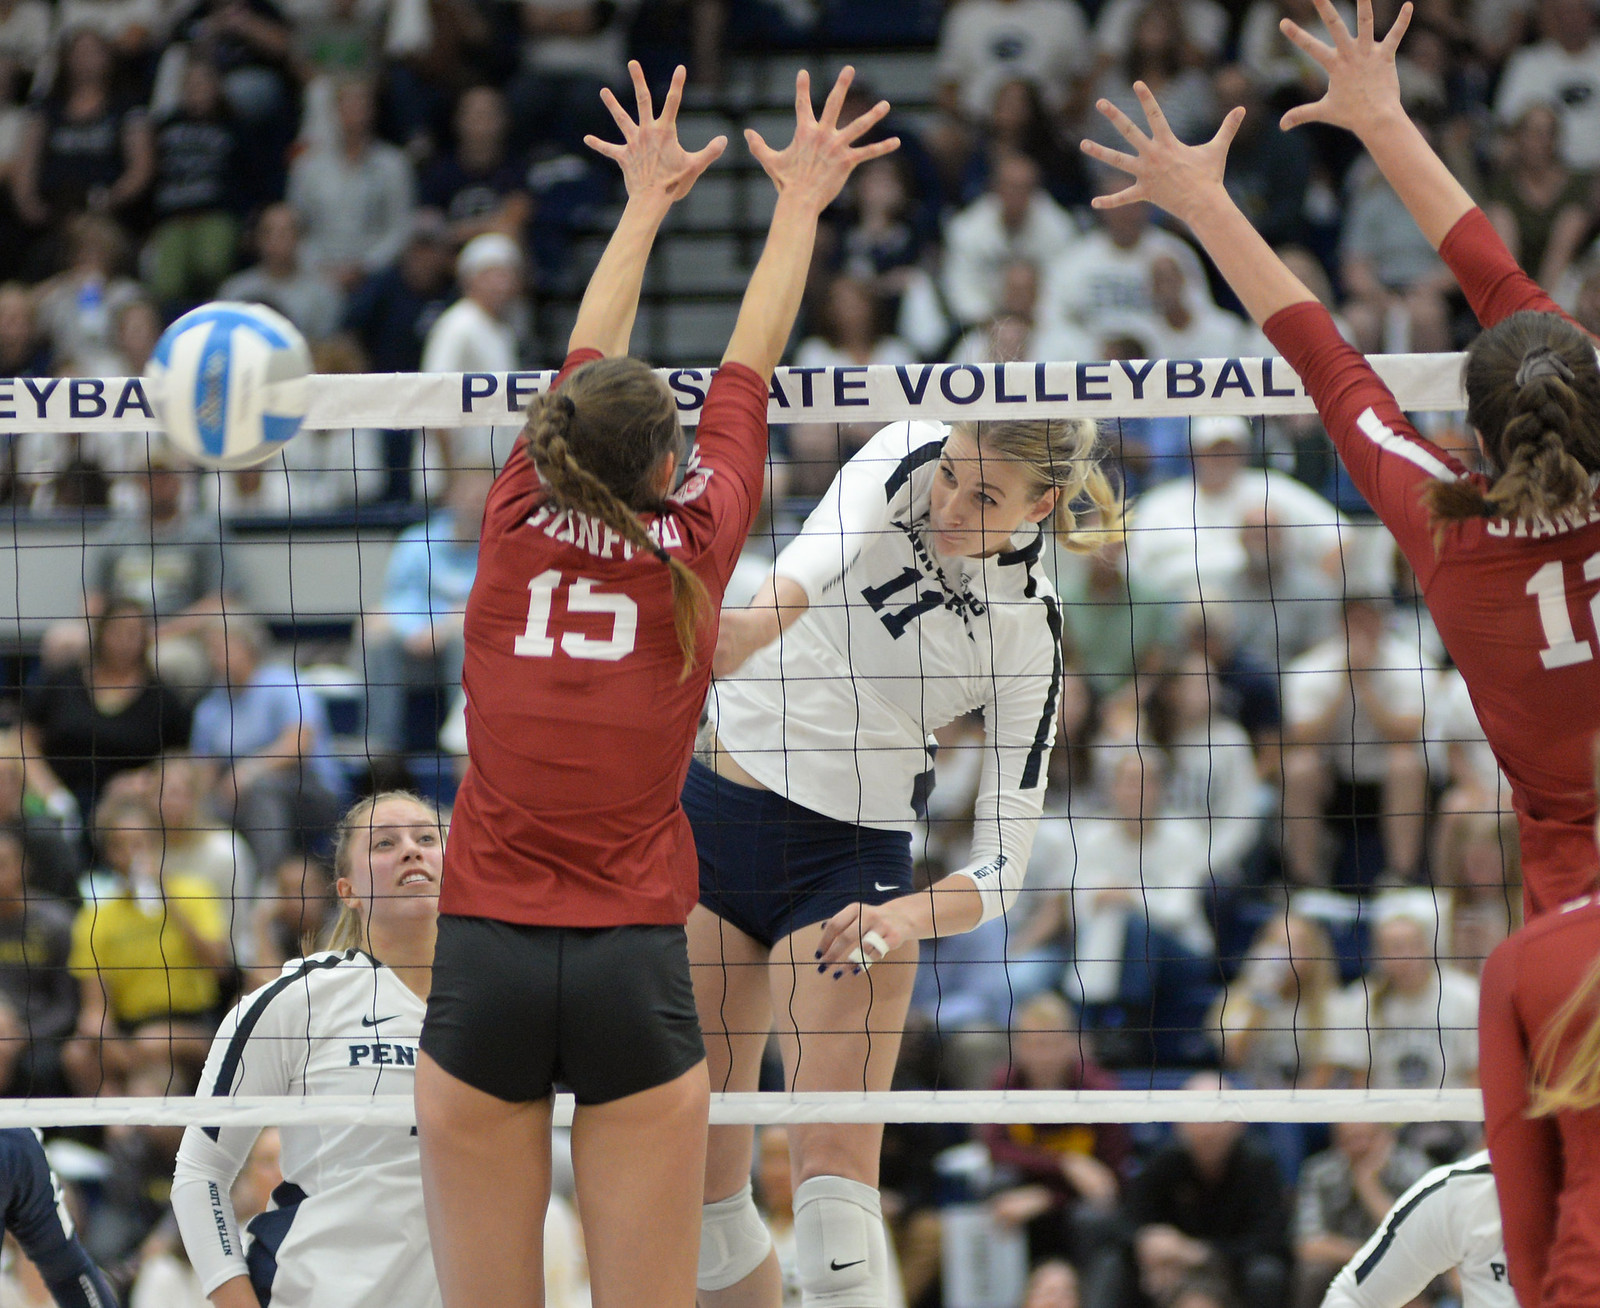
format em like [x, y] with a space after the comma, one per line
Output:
[770, 867]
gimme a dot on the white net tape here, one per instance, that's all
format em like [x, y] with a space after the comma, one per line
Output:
[974, 1106]
[1124, 389]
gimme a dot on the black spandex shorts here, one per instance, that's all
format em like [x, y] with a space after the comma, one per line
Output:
[604, 1012]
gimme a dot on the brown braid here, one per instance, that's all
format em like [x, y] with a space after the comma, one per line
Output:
[598, 443]
[1533, 394]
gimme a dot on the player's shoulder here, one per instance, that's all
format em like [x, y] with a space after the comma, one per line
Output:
[1449, 1189]
[300, 981]
[897, 452]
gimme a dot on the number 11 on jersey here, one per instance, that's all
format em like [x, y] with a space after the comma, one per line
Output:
[536, 642]
[1549, 586]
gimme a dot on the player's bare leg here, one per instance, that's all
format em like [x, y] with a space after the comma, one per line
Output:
[838, 1034]
[639, 1163]
[486, 1182]
[735, 1008]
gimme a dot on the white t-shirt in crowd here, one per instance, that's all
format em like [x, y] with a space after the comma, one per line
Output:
[1545, 73]
[1096, 282]
[977, 248]
[1425, 1041]
[465, 338]
[1321, 676]
[987, 43]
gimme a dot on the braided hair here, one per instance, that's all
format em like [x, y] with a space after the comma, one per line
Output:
[598, 442]
[1533, 394]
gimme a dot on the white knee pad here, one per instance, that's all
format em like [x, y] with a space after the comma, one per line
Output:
[734, 1241]
[841, 1246]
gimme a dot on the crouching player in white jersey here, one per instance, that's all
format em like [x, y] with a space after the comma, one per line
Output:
[346, 1229]
[1447, 1221]
[913, 596]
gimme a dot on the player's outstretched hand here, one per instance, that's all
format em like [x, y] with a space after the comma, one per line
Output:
[650, 156]
[855, 938]
[1363, 87]
[1177, 177]
[814, 167]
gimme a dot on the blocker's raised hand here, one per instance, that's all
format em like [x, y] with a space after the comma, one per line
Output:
[650, 156]
[1165, 171]
[1363, 87]
[816, 164]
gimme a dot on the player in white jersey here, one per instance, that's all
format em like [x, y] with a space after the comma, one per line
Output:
[1449, 1220]
[346, 1229]
[913, 596]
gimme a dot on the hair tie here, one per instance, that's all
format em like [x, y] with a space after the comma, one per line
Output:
[660, 551]
[1542, 362]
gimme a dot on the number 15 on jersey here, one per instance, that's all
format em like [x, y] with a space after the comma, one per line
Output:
[537, 641]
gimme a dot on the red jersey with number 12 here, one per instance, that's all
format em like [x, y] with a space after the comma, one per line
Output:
[579, 726]
[1517, 603]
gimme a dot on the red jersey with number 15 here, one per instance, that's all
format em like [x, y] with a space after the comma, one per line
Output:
[579, 725]
[1516, 602]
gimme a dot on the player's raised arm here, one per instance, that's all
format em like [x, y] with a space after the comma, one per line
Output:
[808, 173]
[1363, 97]
[1186, 181]
[658, 172]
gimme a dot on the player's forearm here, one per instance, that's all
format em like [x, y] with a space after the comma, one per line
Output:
[1260, 279]
[605, 318]
[949, 907]
[772, 300]
[1425, 185]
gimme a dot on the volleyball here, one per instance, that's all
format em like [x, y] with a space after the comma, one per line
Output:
[228, 381]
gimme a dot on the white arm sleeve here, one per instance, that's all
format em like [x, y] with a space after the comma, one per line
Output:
[249, 1056]
[859, 505]
[1021, 723]
[1419, 1240]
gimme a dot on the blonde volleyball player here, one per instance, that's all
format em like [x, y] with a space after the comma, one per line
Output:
[346, 1229]
[914, 595]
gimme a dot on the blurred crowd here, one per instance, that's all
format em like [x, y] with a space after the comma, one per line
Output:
[1275, 846]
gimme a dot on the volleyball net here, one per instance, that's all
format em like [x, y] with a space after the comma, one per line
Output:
[1236, 869]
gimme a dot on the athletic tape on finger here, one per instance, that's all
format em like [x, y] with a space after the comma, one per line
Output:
[870, 940]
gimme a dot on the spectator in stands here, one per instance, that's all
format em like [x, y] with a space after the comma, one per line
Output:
[1052, 1284]
[1213, 778]
[199, 847]
[1562, 69]
[1344, 1193]
[52, 850]
[1067, 1180]
[1205, 29]
[132, 28]
[415, 639]
[1353, 746]
[1107, 272]
[1020, 121]
[1212, 1199]
[851, 330]
[249, 42]
[1184, 322]
[480, 332]
[266, 739]
[83, 148]
[1159, 55]
[878, 239]
[171, 560]
[986, 43]
[24, 348]
[196, 169]
[1142, 938]
[1015, 219]
[1012, 333]
[569, 51]
[83, 725]
[1394, 282]
[292, 913]
[1188, 535]
[1280, 602]
[149, 950]
[35, 940]
[393, 310]
[1271, 1023]
[135, 1195]
[477, 186]
[1537, 202]
[333, 40]
[281, 278]
[355, 198]
[1269, 171]
[77, 307]
[25, 36]
[1411, 1024]
[1119, 622]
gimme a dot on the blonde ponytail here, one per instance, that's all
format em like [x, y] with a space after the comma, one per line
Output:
[1576, 1086]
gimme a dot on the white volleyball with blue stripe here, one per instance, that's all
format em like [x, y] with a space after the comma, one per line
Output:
[228, 382]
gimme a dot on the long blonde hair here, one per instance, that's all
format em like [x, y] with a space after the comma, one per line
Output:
[1063, 453]
[349, 929]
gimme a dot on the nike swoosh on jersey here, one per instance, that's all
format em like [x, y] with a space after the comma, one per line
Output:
[877, 887]
[373, 1021]
[839, 1267]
